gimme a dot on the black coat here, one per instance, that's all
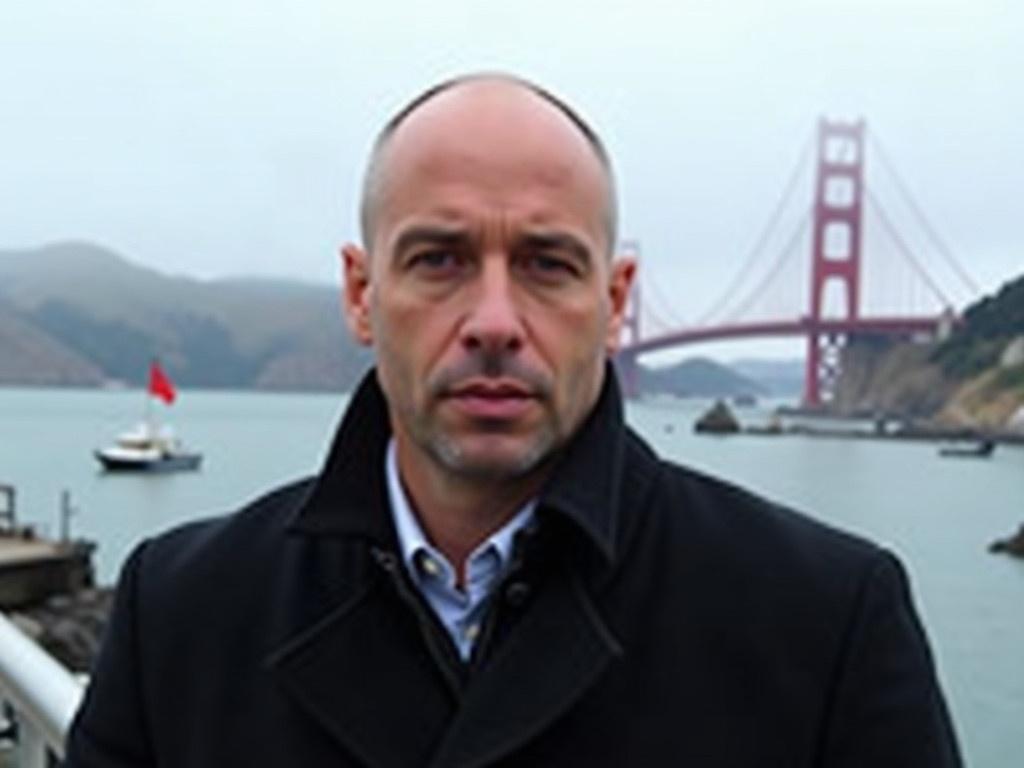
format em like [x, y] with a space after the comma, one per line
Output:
[654, 617]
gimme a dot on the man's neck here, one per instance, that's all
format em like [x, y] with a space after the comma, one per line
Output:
[458, 513]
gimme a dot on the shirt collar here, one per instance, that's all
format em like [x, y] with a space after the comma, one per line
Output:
[350, 495]
[412, 539]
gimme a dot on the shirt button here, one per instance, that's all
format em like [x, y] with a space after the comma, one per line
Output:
[472, 631]
[517, 593]
[430, 566]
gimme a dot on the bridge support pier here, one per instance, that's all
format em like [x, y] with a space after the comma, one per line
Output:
[823, 367]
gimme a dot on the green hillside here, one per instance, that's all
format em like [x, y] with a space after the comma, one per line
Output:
[988, 326]
[973, 379]
[90, 315]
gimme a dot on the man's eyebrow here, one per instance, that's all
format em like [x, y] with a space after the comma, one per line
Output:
[435, 235]
[562, 241]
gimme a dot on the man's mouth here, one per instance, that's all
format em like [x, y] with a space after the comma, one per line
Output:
[499, 399]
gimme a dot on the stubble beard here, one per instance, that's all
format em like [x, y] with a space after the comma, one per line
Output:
[447, 451]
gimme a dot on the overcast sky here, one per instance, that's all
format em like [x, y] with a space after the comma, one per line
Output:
[228, 138]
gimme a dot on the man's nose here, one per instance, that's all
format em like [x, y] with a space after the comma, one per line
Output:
[494, 323]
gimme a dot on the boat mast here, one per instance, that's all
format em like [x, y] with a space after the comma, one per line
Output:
[148, 416]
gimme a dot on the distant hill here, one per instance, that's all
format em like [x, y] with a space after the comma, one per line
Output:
[781, 378]
[697, 377]
[31, 357]
[79, 314]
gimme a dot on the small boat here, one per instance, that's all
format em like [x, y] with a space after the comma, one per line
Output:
[148, 448]
[980, 450]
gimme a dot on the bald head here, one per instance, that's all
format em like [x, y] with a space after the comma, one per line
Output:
[503, 108]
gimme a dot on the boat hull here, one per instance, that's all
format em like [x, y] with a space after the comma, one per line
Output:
[980, 451]
[180, 462]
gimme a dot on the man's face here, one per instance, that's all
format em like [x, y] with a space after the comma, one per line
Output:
[488, 291]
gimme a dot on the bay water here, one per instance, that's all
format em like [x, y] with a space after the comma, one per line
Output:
[937, 514]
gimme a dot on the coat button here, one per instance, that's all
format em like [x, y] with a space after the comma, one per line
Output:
[385, 560]
[517, 593]
[526, 536]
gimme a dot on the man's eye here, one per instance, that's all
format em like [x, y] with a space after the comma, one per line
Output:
[550, 266]
[434, 261]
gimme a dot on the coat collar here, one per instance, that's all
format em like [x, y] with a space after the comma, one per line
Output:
[349, 496]
[372, 685]
[376, 688]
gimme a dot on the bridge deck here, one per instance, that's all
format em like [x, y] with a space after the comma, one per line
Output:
[894, 326]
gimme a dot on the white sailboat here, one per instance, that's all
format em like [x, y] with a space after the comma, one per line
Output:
[147, 447]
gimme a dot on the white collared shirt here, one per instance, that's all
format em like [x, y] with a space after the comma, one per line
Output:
[459, 610]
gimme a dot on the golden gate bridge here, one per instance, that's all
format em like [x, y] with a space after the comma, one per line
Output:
[817, 286]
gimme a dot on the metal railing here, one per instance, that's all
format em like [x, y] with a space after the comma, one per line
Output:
[41, 694]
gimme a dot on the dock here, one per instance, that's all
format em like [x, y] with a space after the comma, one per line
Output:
[34, 568]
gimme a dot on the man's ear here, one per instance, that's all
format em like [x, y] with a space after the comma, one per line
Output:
[356, 292]
[620, 285]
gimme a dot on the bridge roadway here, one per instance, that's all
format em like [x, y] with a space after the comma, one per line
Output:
[805, 326]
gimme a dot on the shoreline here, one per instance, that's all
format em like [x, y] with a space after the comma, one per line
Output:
[923, 435]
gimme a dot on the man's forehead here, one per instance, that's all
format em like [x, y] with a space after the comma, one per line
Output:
[493, 131]
[490, 114]
[491, 106]
[488, 160]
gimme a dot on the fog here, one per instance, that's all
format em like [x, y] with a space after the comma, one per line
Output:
[229, 138]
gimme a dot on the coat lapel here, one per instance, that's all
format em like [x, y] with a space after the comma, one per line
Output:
[368, 680]
[364, 672]
[555, 654]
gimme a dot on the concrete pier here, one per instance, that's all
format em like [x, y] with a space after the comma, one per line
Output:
[32, 568]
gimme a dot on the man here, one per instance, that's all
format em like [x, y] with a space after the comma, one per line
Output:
[491, 569]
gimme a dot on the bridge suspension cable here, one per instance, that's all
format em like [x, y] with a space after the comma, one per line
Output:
[754, 254]
[786, 254]
[923, 220]
[655, 321]
[662, 307]
[904, 249]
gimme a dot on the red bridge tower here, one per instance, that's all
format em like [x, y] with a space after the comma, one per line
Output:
[835, 252]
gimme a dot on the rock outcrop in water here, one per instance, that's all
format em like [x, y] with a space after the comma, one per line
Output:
[1014, 545]
[719, 420]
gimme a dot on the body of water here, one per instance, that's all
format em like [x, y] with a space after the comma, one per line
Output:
[937, 514]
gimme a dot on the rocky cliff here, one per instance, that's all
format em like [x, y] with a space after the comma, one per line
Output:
[974, 378]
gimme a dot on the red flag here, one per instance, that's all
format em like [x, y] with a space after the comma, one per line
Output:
[159, 385]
